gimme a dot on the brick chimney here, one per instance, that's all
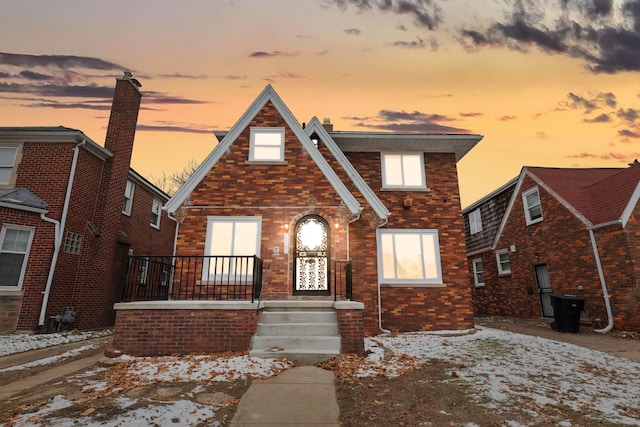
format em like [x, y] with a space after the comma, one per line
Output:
[327, 125]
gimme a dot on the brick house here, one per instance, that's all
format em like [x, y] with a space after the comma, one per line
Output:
[316, 208]
[70, 213]
[564, 231]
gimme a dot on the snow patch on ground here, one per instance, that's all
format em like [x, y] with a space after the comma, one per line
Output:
[529, 372]
[18, 343]
[50, 360]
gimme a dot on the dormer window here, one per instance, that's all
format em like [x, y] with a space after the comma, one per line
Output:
[403, 171]
[475, 221]
[267, 144]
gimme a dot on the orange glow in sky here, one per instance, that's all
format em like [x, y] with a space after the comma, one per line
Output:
[541, 95]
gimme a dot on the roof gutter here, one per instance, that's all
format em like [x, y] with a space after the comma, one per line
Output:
[603, 283]
[59, 230]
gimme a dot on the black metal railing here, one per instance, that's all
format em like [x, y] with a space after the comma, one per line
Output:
[153, 277]
[342, 280]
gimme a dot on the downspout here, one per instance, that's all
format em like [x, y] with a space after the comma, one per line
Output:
[381, 224]
[603, 283]
[175, 245]
[59, 230]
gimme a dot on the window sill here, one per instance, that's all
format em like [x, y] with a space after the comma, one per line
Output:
[408, 189]
[413, 285]
[535, 221]
[156, 227]
[508, 273]
[7, 291]
[266, 162]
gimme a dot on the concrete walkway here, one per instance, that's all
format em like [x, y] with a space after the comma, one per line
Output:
[55, 372]
[302, 396]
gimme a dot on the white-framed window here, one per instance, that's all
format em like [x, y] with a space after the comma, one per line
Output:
[15, 243]
[478, 272]
[502, 258]
[156, 213]
[532, 206]
[409, 257]
[72, 243]
[8, 156]
[228, 237]
[475, 221]
[267, 144]
[403, 170]
[128, 198]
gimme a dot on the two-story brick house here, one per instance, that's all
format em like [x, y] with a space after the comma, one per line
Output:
[71, 211]
[307, 200]
[564, 231]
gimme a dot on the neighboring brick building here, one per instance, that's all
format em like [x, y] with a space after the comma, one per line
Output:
[550, 231]
[387, 202]
[65, 236]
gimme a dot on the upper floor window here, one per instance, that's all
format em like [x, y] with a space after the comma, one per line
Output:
[15, 242]
[409, 257]
[478, 272]
[504, 264]
[267, 144]
[8, 156]
[128, 197]
[156, 213]
[532, 206]
[403, 170]
[475, 221]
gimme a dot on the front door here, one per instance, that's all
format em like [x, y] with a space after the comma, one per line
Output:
[544, 289]
[311, 256]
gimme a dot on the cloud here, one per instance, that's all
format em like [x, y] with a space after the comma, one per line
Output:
[425, 13]
[58, 61]
[353, 31]
[596, 102]
[30, 75]
[542, 135]
[606, 37]
[472, 114]
[407, 122]
[626, 133]
[57, 90]
[183, 76]
[506, 118]
[629, 115]
[602, 118]
[234, 77]
[151, 97]
[416, 44]
[272, 54]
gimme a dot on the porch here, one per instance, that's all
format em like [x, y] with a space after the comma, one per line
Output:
[169, 306]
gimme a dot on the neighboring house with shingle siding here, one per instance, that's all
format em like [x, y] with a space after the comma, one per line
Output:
[564, 231]
[64, 234]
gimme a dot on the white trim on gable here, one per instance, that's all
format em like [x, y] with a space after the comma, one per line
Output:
[628, 210]
[516, 194]
[376, 204]
[268, 94]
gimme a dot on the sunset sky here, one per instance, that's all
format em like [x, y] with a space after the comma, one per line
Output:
[548, 83]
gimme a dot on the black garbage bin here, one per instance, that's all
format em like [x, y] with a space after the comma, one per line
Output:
[566, 312]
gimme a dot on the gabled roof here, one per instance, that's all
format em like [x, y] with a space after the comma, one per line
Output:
[268, 95]
[22, 199]
[379, 208]
[596, 196]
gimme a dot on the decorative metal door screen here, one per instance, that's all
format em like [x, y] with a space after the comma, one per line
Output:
[544, 289]
[311, 256]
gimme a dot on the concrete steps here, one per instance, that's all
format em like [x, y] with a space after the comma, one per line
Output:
[301, 331]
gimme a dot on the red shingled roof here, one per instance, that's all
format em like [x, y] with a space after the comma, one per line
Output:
[601, 195]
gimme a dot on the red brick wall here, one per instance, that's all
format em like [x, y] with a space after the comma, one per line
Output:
[561, 242]
[279, 194]
[183, 331]
[415, 308]
[351, 328]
